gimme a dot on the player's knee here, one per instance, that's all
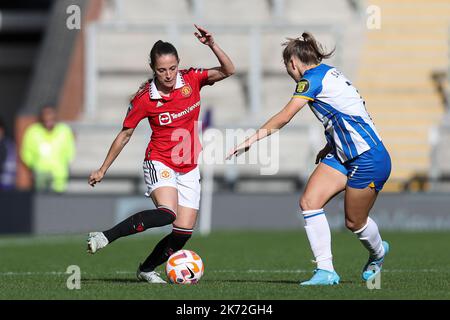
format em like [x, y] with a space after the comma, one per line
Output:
[168, 214]
[354, 225]
[307, 203]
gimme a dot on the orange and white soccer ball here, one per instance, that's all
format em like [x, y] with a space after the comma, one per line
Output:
[184, 267]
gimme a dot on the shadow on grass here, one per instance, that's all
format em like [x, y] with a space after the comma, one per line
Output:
[242, 281]
[296, 282]
[250, 281]
[110, 280]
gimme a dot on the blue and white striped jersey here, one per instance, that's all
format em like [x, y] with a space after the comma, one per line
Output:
[341, 109]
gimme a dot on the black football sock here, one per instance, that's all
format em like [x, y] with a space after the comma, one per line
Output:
[166, 247]
[141, 221]
[157, 256]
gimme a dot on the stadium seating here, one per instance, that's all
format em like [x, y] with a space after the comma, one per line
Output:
[319, 10]
[147, 11]
[395, 78]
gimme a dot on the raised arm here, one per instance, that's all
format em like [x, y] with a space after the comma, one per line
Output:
[226, 68]
[116, 147]
[275, 123]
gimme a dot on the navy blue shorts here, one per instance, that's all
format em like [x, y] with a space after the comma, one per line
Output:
[370, 169]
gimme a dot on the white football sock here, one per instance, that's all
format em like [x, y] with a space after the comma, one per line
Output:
[371, 239]
[319, 236]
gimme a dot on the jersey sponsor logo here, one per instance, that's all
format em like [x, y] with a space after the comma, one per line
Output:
[185, 111]
[165, 174]
[302, 86]
[186, 91]
[165, 118]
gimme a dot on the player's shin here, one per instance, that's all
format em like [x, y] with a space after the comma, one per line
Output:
[141, 221]
[371, 239]
[319, 236]
[166, 247]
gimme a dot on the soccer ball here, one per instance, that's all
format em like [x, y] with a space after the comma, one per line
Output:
[184, 267]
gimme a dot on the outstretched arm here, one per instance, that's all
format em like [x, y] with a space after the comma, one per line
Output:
[226, 68]
[116, 147]
[275, 123]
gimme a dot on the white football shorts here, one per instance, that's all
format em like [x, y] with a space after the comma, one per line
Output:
[157, 174]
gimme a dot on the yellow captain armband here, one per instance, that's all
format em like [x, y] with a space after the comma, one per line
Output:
[303, 97]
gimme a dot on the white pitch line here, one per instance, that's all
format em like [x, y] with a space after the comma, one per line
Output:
[263, 271]
[412, 270]
[309, 271]
[59, 273]
[40, 240]
[51, 273]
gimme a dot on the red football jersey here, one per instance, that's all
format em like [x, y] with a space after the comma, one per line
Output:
[173, 120]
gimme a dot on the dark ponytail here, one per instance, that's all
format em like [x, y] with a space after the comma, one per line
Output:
[161, 48]
[308, 50]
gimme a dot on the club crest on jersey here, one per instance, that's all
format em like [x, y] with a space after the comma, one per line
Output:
[165, 174]
[186, 90]
[302, 86]
[165, 118]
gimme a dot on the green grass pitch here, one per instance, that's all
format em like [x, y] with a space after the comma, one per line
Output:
[238, 265]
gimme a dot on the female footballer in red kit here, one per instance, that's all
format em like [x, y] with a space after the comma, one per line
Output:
[171, 103]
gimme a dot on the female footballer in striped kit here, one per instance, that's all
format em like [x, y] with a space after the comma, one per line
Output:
[354, 159]
[171, 103]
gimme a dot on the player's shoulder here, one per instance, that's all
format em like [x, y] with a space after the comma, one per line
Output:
[191, 73]
[191, 70]
[313, 78]
[317, 73]
[193, 76]
[141, 93]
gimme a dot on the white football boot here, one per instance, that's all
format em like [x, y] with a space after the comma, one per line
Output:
[150, 277]
[96, 241]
